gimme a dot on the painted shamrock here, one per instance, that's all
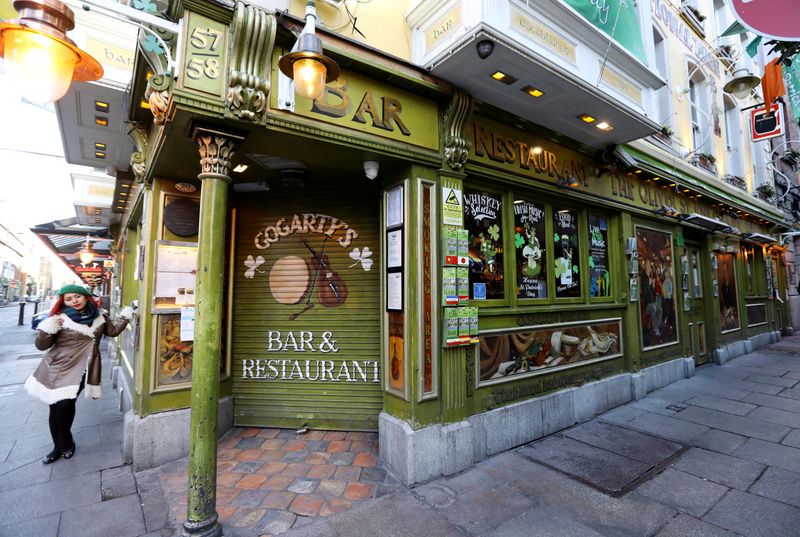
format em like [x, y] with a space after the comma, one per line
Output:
[494, 232]
[361, 256]
[519, 240]
[252, 266]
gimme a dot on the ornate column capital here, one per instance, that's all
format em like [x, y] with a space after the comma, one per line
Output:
[216, 151]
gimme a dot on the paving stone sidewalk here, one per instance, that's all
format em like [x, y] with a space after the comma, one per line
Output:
[729, 438]
[714, 455]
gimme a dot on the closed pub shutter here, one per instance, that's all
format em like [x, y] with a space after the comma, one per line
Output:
[306, 310]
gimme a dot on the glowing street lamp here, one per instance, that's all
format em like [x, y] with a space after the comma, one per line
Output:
[306, 64]
[86, 254]
[40, 59]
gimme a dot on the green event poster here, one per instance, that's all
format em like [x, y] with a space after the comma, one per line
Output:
[791, 79]
[617, 18]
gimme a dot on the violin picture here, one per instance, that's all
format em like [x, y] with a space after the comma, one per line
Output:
[395, 361]
[331, 289]
[295, 280]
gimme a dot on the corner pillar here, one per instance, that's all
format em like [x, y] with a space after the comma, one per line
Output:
[216, 150]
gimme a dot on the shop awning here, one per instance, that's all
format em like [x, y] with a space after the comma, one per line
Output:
[65, 238]
[734, 29]
[760, 238]
[704, 221]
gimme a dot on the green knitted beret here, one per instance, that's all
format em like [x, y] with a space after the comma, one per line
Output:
[72, 288]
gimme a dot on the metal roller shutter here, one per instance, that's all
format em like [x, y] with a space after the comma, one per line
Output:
[306, 314]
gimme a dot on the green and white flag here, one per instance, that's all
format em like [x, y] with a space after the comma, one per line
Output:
[791, 79]
[617, 18]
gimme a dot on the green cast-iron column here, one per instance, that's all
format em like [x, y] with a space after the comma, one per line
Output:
[215, 152]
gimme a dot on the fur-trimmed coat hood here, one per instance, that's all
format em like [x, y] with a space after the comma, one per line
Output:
[72, 348]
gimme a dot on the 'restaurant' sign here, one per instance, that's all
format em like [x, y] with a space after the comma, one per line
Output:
[776, 19]
[763, 126]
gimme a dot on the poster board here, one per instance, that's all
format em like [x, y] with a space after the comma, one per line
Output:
[175, 275]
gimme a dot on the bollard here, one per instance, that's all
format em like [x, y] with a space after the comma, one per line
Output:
[21, 313]
[36, 307]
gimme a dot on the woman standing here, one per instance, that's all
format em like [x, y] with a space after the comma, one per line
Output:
[71, 336]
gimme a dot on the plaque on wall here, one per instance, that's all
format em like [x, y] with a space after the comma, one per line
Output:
[182, 216]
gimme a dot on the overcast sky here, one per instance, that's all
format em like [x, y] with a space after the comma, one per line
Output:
[35, 185]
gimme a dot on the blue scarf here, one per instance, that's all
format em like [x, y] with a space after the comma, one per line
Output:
[89, 313]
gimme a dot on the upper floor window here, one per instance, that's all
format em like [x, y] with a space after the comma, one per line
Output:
[663, 96]
[700, 113]
[733, 138]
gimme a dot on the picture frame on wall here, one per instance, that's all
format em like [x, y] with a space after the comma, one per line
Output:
[175, 275]
[394, 291]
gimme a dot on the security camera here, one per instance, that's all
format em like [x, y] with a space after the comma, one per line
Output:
[371, 168]
[485, 48]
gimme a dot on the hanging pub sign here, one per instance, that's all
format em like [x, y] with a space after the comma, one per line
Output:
[774, 19]
[763, 125]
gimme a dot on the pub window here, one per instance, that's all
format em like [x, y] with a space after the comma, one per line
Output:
[566, 250]
[748, 253]
[530, 242]
[483, 218]
[599, 276]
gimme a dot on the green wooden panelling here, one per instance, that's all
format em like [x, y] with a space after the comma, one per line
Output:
[271, 295]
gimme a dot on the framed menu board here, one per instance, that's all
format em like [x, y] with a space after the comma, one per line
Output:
[176, 273]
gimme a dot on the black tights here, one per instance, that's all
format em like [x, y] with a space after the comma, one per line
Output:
[62, 414]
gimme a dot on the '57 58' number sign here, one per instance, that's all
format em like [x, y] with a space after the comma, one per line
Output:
[205, 47]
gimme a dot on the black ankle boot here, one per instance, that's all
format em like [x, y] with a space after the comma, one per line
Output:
[68, 453]
[53, 456]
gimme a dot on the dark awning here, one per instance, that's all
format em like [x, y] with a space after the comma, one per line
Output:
[65, 238]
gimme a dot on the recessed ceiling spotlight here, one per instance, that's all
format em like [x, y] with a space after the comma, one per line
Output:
[102, 121]
[500, 76]
[101, 106]
[603, 126]
[533, 92]
[240, 168]
[99, 154]
[586, 118]
[100, 146]
[536, 150]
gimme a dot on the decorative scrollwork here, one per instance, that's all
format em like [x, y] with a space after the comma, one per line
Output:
[216, 152]
[159, 96]
[141, 140]
[456, 146]
[253, 40]
[470, 363]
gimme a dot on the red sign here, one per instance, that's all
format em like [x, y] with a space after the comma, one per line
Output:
[776, 19]
[763, 126]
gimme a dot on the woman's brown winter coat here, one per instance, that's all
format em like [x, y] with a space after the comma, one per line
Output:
[71, 349]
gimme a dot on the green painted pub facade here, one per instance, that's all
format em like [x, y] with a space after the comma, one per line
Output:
[493, 284]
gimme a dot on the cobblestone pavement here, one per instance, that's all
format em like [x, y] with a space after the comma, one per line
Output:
[269, 480]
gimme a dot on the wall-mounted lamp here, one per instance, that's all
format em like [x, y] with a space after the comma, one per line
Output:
[306, 64]
[668, 210]
[41, 60]
[567, 182]
[86, 254]
[484, 48]
[741, 84]
[371, 168]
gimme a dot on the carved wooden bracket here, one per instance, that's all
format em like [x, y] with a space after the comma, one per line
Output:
[141, 140]
[456, 146]
[159, 96]
[253, 40]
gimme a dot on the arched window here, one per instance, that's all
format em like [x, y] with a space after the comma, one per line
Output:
[733, 138]
[700, 107]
